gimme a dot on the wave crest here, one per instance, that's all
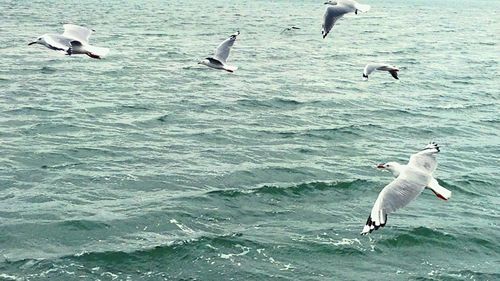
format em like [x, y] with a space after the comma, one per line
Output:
[289, 190]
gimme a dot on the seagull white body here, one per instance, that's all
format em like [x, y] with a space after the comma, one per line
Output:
[337, 9]
[219, 60]
[411, 180]
[74, 40]
[371, 67]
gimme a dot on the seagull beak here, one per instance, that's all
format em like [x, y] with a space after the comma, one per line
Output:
[29, 44]
[381, 166]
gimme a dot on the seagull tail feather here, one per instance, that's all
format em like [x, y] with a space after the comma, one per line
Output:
[440, 191]
[362, 8]
[230, 68]
[96, 52]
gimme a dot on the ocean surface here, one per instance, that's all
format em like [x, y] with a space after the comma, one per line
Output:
[147, 166]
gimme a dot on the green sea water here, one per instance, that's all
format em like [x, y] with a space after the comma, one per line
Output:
[147, 166]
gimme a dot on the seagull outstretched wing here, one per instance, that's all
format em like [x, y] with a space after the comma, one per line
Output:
[332, 14]
[397, 194]
[77, 32]
[222, 51]
[426, 158]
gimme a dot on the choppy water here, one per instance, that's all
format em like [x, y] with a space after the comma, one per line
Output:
[146, 166]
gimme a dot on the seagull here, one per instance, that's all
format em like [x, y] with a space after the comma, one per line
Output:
[369, 68]
[411, 180]
[289, 29]
[218, 61]
[337, 9]
[74, 40]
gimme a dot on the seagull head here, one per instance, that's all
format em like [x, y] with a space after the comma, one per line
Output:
[393, 167]
[331, 3]
[39, 40]
[36, 41]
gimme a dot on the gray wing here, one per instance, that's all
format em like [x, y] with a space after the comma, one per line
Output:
[332, 14]
[397, 194]
[57, 42]
[79, 33]
[222, 51]
[392, 70]
[426, 158]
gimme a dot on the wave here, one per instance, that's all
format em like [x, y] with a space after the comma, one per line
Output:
[397, 112]
[492, 121]
[276, 102]
[48, 70]
[472, 274]
[138, 107]
[435, 238]
[83, 225]
[31, 110]
[62, 166]
[460, 275]
[178, 248]
[419, 236]
[459, 106]
[329, 246]
[329, 133]
[465, 186]
[290, 190]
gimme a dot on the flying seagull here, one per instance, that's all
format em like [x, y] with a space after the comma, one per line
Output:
[411, 180]
[290, 29]
[218, 61]
[74, 40]
[369, 68]
[337, 9]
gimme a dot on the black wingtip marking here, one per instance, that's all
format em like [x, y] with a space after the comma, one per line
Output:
[371, 223]
[394, 74]
[365, 76]
[437, 146]
[434, 146]
[233, 36]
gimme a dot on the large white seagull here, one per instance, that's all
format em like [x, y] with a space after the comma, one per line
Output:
[411, 180]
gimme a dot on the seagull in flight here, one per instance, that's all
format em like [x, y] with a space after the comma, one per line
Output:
[74, 40]
[371, 67]
[337, 9]
[411, 180]
[218, 61]
[289, 29]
